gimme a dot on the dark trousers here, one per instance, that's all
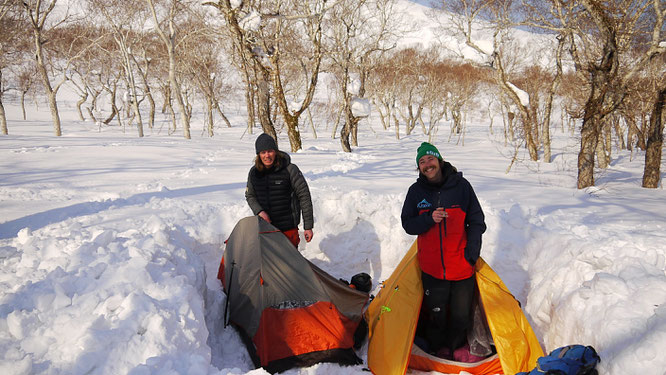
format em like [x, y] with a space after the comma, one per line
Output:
[449, 305]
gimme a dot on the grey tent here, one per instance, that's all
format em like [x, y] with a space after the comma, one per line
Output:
[288, 311]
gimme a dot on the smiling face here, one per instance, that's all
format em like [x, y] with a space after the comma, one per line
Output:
[267, 157]
[429, 166]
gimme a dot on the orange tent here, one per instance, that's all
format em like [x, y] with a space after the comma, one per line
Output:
[289, 312]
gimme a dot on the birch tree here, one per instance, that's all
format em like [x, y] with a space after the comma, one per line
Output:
[127, 22]
[360, 32]
[10, 27]
[280, 42]
[601, 38]
[242, 21]
[166, 15]
[655, 138]
[506, 58]
[38, 13]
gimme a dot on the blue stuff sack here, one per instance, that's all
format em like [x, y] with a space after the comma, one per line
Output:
[567, 360]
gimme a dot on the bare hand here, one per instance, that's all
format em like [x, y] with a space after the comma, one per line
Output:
[308, 235]
[439, 214]
[264, 216]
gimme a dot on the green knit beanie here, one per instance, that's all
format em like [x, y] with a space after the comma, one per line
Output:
[427, 149]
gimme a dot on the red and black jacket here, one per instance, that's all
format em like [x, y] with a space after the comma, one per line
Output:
[447, 250]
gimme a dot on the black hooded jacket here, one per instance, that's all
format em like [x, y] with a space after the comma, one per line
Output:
[282, 192]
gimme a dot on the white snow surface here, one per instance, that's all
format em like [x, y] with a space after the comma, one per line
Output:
[110, 243]
[361, 107]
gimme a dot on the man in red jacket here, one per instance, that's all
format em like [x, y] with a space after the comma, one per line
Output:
[443, 210]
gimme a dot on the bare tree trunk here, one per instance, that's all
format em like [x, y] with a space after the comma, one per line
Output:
[603, 148]
[249, 99]
[529, 125]
[545, 134]
[354, 132]
[314, 129]
[172, 112]
[114, 112]
[511, 131]
[293, 133]
[589, 137]
[151, 103]
[643, 133]
[166, 93]
[618, 132]
[601, 78]
[337, 123]
[344, 134]
[23, 92]
[528, 119]
[175, 89]
[114, 107]
[350, 128]
[169, 43]
[384, 118]
[264, 104]
[652, 170]
[219, 112]
[50, 93]
[38, 17]
[351, 121]
[209, 114]
[146, 88]
[3, 117]
[79, 103]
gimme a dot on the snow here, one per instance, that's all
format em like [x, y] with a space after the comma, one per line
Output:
[523, 96]
[251, 21]
[354, 85]
[361, 107]
[109, 243]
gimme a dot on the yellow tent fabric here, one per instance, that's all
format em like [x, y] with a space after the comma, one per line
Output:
[393, 315]
[392, 318]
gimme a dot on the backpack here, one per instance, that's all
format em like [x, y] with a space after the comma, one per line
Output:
[567, 360]
[362, 281]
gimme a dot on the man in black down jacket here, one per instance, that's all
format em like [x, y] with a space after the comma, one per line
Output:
[277, 191]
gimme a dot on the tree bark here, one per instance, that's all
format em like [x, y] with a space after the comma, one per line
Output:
[652, 171]
[264, 103]
[209, 115]
[602, 75]
[3, 117]
[79, 103]
[23, 93]
[50, 93]
[589, 137]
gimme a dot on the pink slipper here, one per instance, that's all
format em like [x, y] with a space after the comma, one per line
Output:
[462, 354]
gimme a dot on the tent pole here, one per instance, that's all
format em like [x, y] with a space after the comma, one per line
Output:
[226, 304]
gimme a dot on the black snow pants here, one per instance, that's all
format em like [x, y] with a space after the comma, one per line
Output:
[449, 305]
